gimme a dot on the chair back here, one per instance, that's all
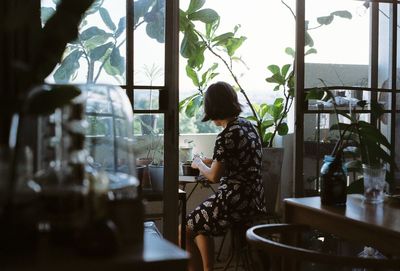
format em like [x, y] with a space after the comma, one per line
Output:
[281, 242]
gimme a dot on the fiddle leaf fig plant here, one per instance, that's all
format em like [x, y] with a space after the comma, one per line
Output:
[99, 48]
[269, 119]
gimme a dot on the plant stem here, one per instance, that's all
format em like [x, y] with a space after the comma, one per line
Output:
[234, 78]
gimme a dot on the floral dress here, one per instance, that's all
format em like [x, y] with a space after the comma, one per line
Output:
[241, 193]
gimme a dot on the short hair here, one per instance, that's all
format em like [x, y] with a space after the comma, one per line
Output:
[221, 102]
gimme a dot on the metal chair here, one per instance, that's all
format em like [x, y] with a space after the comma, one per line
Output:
[281, 243]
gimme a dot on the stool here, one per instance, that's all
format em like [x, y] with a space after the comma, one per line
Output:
[239, 247]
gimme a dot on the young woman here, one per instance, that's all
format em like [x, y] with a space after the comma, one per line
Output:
[236, 165]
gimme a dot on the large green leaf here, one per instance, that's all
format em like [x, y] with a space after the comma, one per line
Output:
[195, 5]
[193, 105]
[117, 61]
[285, 69]
[273, 68]
[282, 129]
[308, 40]
[94, 7]
[367, 130]
[204, 15]
[60, 29]
[290, 51]
[121, 27]
[99, 52]
[96, 41]
[233, 44]
[46, 13]
[68, 67]
[209, 74]
[343, 14]
[191, 73]
[222, 38]
[266, 138]
[91, 32]
[325, 20]
[105, 16]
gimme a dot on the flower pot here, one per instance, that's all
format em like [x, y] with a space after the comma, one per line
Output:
[144, 162]
[272, 160]
[188, 170]
[157, 177]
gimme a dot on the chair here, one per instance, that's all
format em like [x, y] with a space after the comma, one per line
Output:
[239, 249]
[276, 240]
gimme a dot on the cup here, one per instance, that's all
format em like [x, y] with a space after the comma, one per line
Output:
[374, 183]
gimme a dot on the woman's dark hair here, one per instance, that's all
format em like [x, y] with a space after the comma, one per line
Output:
[221, 102]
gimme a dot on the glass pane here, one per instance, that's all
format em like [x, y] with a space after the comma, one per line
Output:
[146, 99]
[98, 56]
[149, 42]
[384, 57]
[337, 43]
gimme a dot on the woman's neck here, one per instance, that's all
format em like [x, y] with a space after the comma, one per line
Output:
[225, 122]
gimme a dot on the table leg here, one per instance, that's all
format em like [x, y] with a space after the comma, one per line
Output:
[183, 199]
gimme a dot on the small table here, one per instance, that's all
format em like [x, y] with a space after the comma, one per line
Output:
[377, 226]
[184, 180]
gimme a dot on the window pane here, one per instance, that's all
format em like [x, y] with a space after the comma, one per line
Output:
[149, 42]
[337, 43]
[98, 56]
[146, 99]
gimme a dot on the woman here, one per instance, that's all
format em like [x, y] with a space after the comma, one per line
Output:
[236, 164]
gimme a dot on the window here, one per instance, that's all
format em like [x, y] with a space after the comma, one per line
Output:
[129, 43]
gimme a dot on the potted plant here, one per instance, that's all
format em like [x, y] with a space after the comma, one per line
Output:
[361, 145]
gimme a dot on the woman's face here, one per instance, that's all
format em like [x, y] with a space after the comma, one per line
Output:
[218, 122]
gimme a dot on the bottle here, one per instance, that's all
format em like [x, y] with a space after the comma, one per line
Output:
[333, 181]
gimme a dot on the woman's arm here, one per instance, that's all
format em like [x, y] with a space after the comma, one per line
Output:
[213, 173]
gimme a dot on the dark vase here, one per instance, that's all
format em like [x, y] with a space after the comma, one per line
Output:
[333, 181]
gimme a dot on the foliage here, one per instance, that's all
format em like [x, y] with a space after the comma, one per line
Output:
[269, 119]
[100, 48]
[360, 141]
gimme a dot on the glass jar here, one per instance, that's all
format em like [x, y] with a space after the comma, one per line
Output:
[333, 181]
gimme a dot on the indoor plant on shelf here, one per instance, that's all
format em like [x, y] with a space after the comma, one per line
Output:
[361, 145]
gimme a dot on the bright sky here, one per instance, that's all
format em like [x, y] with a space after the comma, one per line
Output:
[269, 28]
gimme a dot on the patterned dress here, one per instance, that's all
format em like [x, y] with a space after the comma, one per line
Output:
[241, 193]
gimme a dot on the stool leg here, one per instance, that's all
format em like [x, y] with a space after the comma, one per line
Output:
[220, 248]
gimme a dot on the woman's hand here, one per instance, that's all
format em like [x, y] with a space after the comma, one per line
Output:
[207, 161]
[196, 162]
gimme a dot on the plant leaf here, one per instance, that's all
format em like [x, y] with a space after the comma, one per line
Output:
[325, 20]
[343, 14]
[282, 129]
[290, 51]
[105, 16]
[98, 52]
[204, 15]
[191, 73]
[68, 67]
[121, 27]
[46, 13]
[195, 5]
